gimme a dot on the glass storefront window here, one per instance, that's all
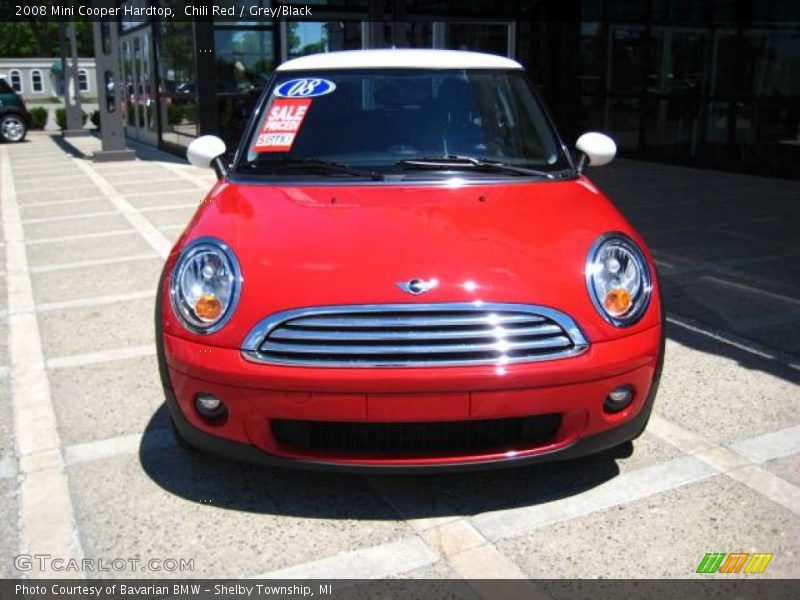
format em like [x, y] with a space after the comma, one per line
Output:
[686, 66]
[729, 122]
[623, 121]
[419, 34]
[309, 37]
[478, 37]
[675, 76]
[245, 60]
[627, 59]
[776, 62]
[678, 79]
[177, 85]
[244, 57]
[626, 10]
[139, 85]
[672, 126]
[591, 59]
[757, 63]
[591, 116]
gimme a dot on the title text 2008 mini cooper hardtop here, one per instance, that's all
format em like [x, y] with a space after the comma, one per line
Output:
[403, 268]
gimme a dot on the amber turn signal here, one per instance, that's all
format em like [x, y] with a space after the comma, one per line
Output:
[617, 301]
[208, 307]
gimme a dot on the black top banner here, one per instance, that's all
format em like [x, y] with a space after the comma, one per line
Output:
[272, 11]
[136, 11]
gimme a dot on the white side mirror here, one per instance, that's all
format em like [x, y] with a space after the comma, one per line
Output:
[202, 151]
[598, 148]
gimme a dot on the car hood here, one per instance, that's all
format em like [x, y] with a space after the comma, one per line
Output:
[302, 246]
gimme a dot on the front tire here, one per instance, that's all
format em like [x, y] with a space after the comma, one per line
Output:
[12, 128]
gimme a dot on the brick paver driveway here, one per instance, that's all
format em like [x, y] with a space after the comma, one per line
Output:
[88, 467]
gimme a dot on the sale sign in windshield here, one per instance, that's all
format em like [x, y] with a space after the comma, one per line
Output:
[282, 125]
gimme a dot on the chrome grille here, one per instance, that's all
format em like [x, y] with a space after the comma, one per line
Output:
[414, 335]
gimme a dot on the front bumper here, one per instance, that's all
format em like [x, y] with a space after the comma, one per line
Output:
[254, 394]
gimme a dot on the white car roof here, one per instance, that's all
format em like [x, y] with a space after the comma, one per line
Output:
[399, 59]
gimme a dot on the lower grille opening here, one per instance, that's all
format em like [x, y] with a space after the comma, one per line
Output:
[440, 438]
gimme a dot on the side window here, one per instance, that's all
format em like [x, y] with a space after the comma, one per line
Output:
[37, 86]
[15, 78]
[83, 80]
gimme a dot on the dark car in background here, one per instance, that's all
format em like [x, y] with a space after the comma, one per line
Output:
[14, 118]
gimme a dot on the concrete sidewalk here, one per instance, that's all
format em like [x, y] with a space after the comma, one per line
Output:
[89, 468]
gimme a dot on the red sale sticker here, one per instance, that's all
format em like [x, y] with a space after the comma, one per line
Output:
[283, 122]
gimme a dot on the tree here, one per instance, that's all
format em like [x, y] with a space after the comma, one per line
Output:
[35, 38]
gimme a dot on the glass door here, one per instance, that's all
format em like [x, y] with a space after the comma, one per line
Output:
[625, 84]
[139, 104]
[675, 81]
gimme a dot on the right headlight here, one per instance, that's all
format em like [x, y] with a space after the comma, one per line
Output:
[618, 279]
[205, 285]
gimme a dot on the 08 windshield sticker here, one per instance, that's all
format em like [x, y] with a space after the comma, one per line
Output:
[282, 125]
[304, 88]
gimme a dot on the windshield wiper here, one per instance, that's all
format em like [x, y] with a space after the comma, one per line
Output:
[457, 161]
[321, 166]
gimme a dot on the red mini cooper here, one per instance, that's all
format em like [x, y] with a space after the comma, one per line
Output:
[404, 268]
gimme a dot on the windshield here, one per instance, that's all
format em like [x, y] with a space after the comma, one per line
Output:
[410, 123]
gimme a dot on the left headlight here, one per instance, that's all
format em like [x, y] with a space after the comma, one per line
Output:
[618, 279]
[205, 285]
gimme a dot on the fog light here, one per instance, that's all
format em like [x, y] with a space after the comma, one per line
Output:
[618, 399]
[209, 406]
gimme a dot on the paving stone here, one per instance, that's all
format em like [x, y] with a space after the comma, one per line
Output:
[663, 536]
[232, 520]
[98, 280]
[106, 400]
[97, 328]
[70, 251]
[720, 393]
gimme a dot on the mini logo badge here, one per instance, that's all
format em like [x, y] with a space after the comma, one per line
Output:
[415, 287]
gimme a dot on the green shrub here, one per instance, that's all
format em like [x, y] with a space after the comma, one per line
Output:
[38, 117]
[190, 112]
[61, 117]
[174, 114]
[95, 118]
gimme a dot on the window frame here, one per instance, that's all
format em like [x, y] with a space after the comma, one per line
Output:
[81, 87]
[11, 74]
[33, 82]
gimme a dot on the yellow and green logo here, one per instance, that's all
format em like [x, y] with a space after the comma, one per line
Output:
[734, 562]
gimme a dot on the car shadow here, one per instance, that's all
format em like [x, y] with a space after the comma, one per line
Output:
[215, 481]
[727, 249]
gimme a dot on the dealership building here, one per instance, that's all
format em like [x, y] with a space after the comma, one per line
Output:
[711, 83]
[39, 79]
